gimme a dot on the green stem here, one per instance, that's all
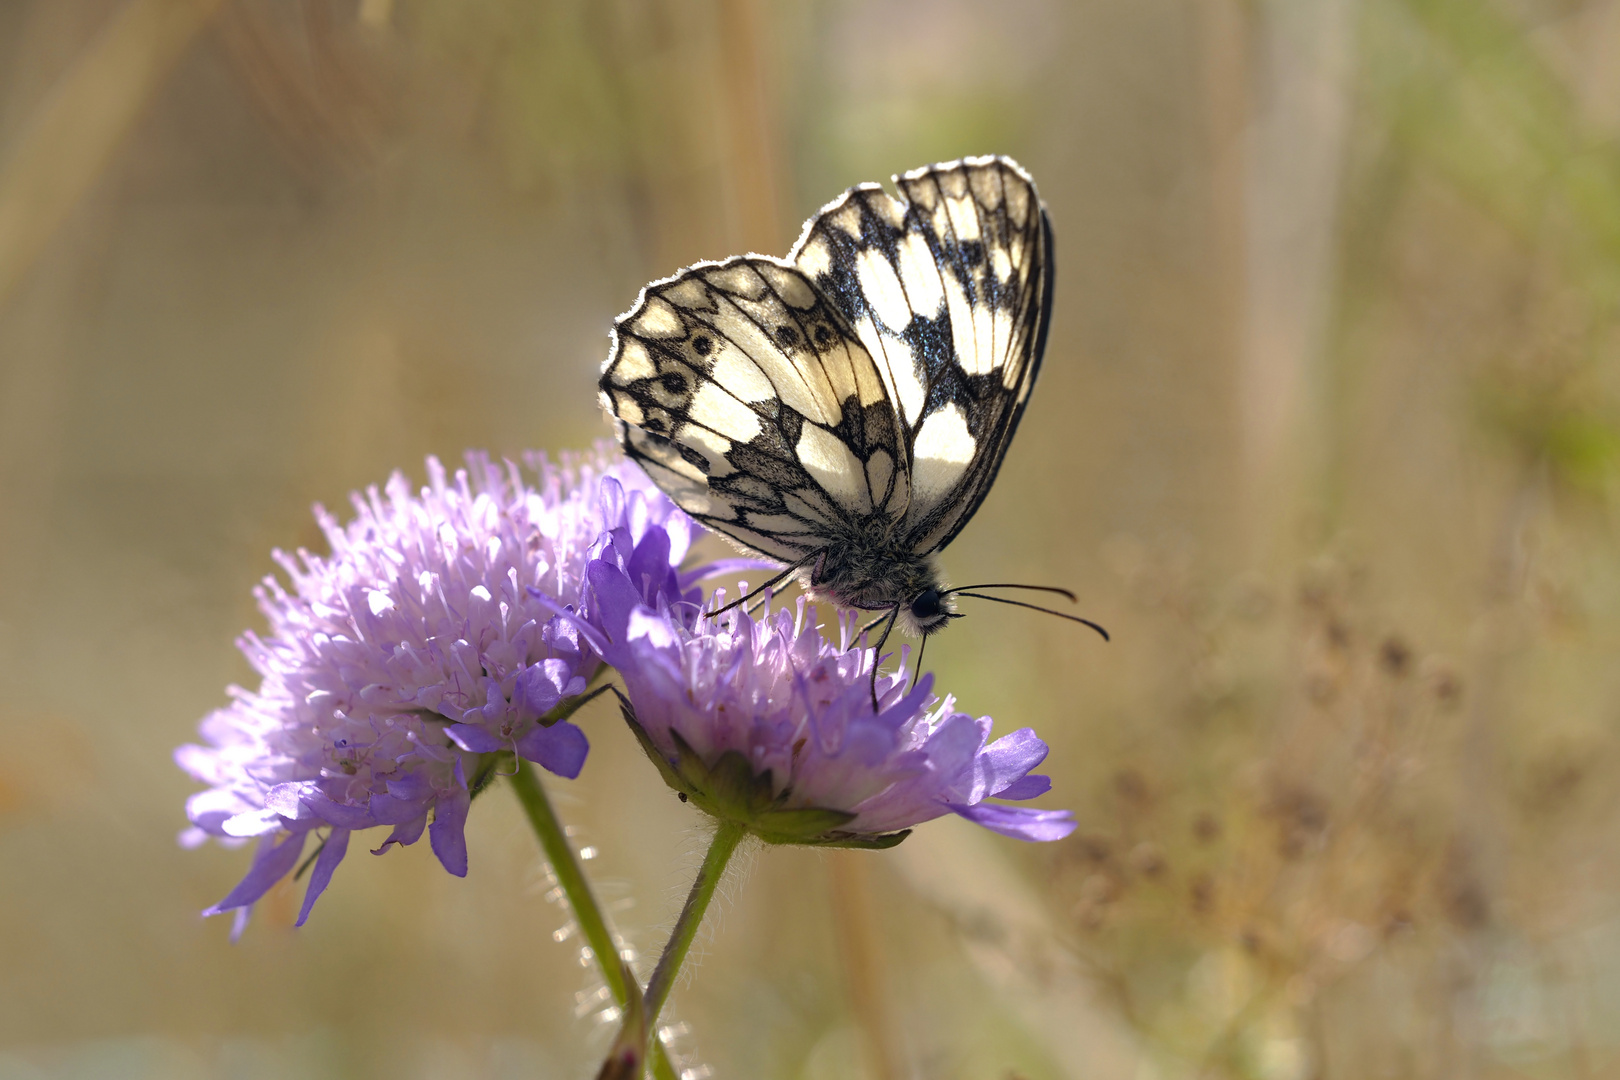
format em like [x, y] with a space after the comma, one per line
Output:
[581, 901]
[726, 838]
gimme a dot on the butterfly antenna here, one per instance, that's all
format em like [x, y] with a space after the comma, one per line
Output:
[1033, 588]
[878, 652]
[1032, 607]
[777, 580]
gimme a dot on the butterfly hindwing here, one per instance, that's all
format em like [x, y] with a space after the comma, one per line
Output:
[745, 396]
[949, 291]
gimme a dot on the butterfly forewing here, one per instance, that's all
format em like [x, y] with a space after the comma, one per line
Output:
[856, 399]
[949, 292]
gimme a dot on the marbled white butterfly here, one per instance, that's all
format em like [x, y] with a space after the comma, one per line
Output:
[845, 410]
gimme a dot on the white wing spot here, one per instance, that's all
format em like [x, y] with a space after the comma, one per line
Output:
[882, 289]
[719, 411]
[868, 384]
[628, 410]
[1002, 264]
[740, 376]
[920, 276]
[974, 360]
[659, 320]
[919, 189]
[986, 187]
[689, 294]
[815, 259]
[1018, 203]
[846, 219]
[633, 362]
[944, 448]
[908, 387]
[964, 219]
[826, 457]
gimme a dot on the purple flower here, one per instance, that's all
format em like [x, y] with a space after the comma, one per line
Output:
[768, 723]
[428, 639]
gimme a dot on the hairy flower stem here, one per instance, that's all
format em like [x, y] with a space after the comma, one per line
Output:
[581, 901]
[726, 837]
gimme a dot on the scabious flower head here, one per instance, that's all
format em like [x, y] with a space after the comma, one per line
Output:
[768, 723]
[428, 639]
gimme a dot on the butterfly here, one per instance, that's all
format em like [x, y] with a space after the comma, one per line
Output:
[845, 410]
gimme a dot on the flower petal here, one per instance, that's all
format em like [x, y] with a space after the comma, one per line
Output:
[387, 810]
[541, 686]
[474, 739]
[272, 862]
[448, 833]
[336, 846]
[342, 815]
[405, 833]
[1007, 759]
[1019, 822]
[613, 598]
[649, 568]
[252, 823]
[1026, 788]
[560, 748]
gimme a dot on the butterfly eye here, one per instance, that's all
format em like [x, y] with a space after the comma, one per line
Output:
[926, 606]
[702, 345]
[787, 335]
[674, 383]
[823, 336]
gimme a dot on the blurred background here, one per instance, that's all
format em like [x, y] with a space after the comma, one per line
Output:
[1328, 436]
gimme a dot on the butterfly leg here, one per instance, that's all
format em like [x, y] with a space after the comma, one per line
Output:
[777, 580]
[915, 675]
[877, 653]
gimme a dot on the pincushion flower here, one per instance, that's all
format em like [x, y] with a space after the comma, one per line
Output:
[427, 640]
[768, 724]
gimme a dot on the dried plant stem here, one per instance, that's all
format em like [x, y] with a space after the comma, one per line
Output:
[726, 838]
[581, 901]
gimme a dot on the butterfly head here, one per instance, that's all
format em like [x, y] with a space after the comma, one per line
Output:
[928, 612]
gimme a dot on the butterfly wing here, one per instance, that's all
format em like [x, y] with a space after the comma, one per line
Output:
[749, 400]
[949, 291]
